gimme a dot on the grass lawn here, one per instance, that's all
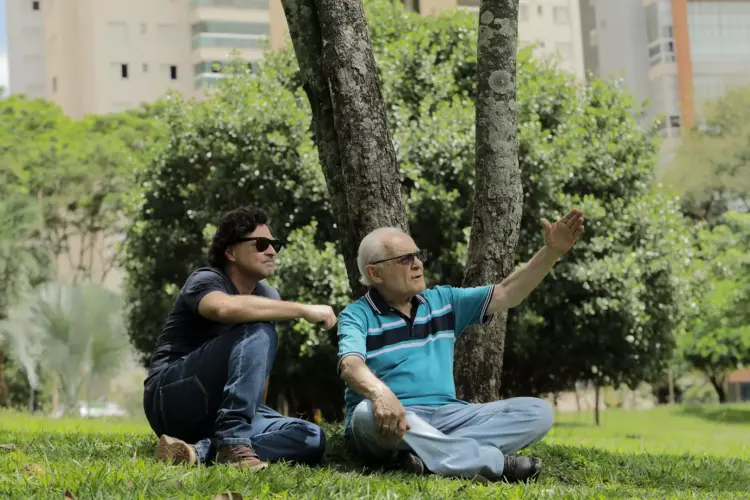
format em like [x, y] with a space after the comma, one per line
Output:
[676, 452]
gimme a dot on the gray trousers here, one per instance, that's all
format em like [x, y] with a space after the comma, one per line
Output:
[456, 439]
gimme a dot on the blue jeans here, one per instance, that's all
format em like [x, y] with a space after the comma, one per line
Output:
[212, 398]
[460, 440]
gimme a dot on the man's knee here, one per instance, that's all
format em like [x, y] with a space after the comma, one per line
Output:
[363, 418]
[543, 415]
[256, 337]
[314, 446]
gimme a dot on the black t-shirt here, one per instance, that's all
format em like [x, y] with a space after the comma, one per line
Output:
[185, 330]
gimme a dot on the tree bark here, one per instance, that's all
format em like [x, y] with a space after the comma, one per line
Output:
[498, 196]
[597, 391]
[3, 385]
[718, 383]
[335, 56]
[670, 383]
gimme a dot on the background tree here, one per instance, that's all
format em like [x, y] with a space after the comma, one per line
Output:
[62, 186]
[717, 339]
[76, 331]
[712, 170]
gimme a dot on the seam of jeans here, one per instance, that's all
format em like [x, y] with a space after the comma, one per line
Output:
[263, 435]
[233, 441]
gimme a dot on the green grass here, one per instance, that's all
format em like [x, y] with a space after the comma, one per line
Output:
[676, 452]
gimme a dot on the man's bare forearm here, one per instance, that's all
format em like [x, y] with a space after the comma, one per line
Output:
[247, 308]
[358, 376]
[521, 282]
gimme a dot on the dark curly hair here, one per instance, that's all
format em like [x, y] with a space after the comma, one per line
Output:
[234, 225]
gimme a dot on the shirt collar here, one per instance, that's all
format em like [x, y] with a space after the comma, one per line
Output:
[379, 304]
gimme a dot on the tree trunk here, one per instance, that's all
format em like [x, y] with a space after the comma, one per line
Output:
[3, 385]
[597, 391]
[335, 56]
[498, 195]
[670, 383]
[718, 383]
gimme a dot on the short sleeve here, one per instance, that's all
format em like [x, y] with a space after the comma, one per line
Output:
[470, 306]
[200, 284]
[352, 335]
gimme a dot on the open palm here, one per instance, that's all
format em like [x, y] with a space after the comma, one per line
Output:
[561, 235]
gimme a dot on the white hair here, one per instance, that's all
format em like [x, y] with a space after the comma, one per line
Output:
[372, 249]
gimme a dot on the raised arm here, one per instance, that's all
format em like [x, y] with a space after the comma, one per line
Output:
[559, 238]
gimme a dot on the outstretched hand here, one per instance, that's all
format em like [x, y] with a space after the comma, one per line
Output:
[561, 235]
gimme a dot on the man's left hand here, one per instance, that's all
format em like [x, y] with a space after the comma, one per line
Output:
[561, 235]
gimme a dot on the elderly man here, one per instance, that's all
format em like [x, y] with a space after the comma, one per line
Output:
[396, 356]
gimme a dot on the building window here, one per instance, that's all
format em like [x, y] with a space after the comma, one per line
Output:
[173, 72]
[230, 28]
[227, 41]
[54, 84]
[523, 13]
[35, 5]
[124, 70]
[144, 67]
[144, 28]
[242, 4]
[561, 15]
[208, 67]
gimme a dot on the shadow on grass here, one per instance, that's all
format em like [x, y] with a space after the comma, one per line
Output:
[720, 414]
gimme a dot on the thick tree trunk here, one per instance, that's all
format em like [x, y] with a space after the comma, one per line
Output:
[335, 56]
[498, 195]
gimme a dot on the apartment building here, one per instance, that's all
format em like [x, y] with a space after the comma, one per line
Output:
[26, 57]
[100, 57]
[678, 54]
[553, 27]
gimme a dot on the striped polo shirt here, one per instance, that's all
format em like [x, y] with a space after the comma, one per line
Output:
[412, 355]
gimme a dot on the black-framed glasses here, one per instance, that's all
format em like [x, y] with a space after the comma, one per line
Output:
[404, 260]
[262, 243]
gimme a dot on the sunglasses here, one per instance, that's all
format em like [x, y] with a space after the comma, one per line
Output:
[404, 260]
[262, 243]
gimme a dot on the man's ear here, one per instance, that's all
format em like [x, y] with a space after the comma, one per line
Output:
[373, 273]
[229, 254]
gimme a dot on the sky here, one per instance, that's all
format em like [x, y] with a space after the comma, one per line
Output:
[3, 48]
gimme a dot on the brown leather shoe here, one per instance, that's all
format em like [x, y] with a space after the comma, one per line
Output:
[175, 451]
[240, 455]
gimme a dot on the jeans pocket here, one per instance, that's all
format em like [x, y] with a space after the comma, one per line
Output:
[183, 404]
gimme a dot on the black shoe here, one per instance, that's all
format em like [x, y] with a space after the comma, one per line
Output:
[409, 462]
[521, 468]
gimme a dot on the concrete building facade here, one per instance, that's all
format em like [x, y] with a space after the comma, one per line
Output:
[26, 55]
[100, 57]
[678, 54]
[552, 26]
